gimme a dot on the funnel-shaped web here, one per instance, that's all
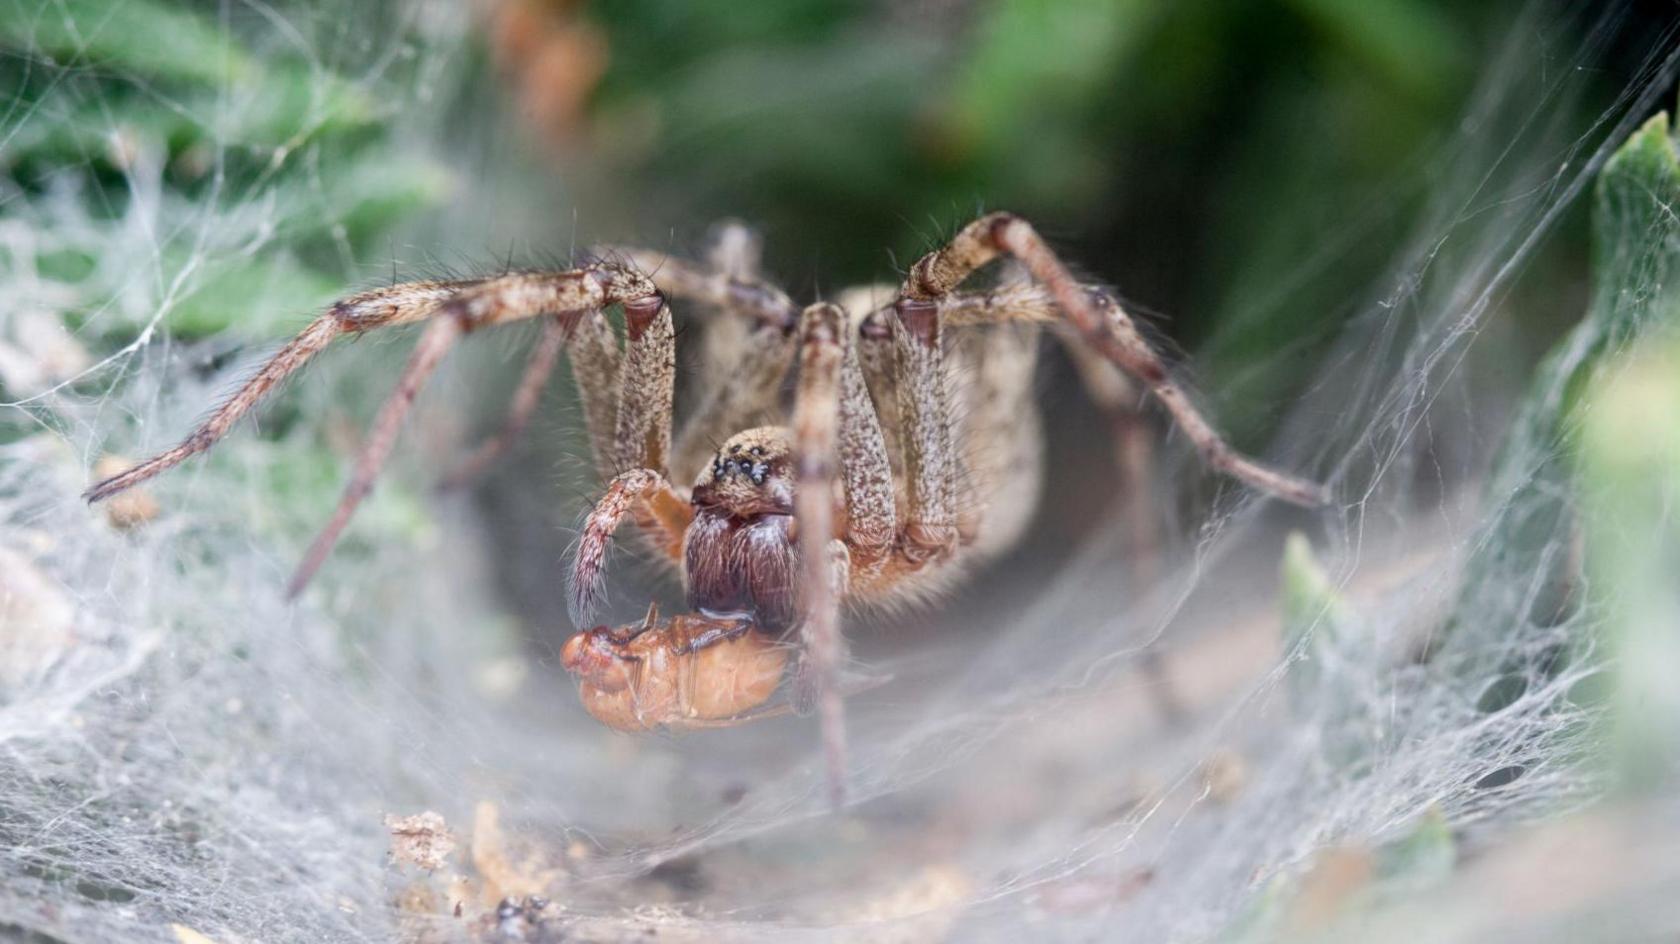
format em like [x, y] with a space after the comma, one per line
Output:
[182, 751]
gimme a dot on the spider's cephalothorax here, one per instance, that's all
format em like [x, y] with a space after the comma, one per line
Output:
[884, 477]
[738, 553]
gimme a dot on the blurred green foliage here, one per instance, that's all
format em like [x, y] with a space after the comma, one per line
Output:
[1534, 527]
[1631, 466]
[1627, 446]
[1327, 901]
[1196, 153]
[1312, 616]
[174, 104]
[224, 169]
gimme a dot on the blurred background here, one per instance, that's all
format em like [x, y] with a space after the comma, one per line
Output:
[1240, 171]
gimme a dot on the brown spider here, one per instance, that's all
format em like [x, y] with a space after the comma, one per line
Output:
[875, 490]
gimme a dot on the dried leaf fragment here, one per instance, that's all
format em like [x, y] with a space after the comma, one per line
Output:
[1337, 877]
[186, 935]
[423, 840]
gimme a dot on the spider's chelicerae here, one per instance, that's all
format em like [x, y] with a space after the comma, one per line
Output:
[885, 480]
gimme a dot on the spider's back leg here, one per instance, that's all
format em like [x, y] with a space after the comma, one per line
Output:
[364, 311]
[450, 309]
[1100, 321]
[1000, 434]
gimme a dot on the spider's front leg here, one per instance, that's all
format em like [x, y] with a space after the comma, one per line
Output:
[841, 461]
[641, 443]
[816, 423]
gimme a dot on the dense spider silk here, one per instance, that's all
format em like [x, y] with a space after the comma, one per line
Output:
[182, 747]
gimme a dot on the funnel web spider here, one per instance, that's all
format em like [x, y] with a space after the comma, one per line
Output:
[870, 490]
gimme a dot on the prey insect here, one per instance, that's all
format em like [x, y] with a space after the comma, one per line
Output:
[885, 480]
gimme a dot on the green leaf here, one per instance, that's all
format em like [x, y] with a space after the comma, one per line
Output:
[290, 107]
[1630, 458]
[1533, 527]
[364, 196]
[258, 298]
[1313, 614]
[1424, 856]
[1025, 116]
[155, 40]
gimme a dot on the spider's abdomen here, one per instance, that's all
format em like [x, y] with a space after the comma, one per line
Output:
[736, 565]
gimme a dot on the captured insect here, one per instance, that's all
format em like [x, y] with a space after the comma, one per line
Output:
[884, 481]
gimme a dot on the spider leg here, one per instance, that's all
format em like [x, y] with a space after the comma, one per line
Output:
[929, 531]
[399, 304]
[1021, 301]
[816, 422]
[749, 297]
[871, 526]
[872, 341]
[642, 434]
[736, 252]
[454, 308]
[526, 396]
[659, 508]
[641, 445]
[492, 301]
[434, 343]
[593, 351]
[1100, 322]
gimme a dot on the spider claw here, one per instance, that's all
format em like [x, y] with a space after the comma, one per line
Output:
[305, 572]
[582, 597]
[103, 490]
[128, 478]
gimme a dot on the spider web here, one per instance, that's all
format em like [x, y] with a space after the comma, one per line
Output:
[183, 752]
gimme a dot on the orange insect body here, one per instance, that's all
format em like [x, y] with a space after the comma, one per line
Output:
[689, 671]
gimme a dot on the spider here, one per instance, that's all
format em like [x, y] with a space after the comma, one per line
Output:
[886, 481]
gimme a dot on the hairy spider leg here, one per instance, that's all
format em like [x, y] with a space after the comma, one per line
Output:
[1099, 319]
[526, 396]
[451, 309]
[625, 493]
[752, 359]
[399, 304]
[823, 567]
